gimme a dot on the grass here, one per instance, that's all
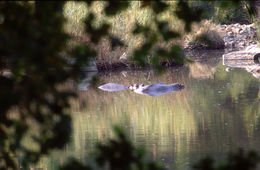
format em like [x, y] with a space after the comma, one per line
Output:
[121, 26]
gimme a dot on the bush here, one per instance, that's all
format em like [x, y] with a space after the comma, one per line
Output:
[220, 15]
[239, 160]
[205, 37]
[117, 154]
[201, 4]
[231, 15]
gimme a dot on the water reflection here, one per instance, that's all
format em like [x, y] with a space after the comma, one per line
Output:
[212, 115]
[85, 79]
[255, 70]
[247, 63]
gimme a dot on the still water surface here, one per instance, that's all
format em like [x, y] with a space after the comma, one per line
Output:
[217, 112]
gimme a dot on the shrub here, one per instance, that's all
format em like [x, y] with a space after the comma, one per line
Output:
[220, 15]
[231, 15]
[205, 37]
[201, 4]
[122, 26]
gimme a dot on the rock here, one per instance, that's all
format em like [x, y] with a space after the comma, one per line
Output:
[123, 57]
[241, 44]
[228, 45]
[250, 55]
[237, 36]
[241, 31]
[230, 34]
[236, 30]
[223, 26]
[253, 49]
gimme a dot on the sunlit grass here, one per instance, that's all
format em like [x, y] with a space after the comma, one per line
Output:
[121, 26]
[204, 32]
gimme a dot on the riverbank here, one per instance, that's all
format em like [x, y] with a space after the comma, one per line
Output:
[229, 37]
[235, 37]
[127, 65]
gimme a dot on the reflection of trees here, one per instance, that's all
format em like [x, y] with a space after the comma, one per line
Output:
[206, 67]
[229, 100]
[161, 124]
[255, 70]
[208, 116]
[198, 70]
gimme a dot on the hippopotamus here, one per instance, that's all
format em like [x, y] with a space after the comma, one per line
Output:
[150, 90]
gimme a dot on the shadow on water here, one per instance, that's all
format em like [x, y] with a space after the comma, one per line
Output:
[217, 112]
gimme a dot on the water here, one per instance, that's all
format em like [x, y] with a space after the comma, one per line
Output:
[217, 112]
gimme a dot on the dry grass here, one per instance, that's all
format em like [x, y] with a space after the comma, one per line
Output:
[198, 70]
[205, 33]
[121, 26]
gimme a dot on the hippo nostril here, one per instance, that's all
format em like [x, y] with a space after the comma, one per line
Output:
[181, 86]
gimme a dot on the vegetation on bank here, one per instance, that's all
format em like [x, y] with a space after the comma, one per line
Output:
[205, 35]
[122, 25]
[221, 14]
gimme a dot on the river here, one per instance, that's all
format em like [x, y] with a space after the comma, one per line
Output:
[217, 112]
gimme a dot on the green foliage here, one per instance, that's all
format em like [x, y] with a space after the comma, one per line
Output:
[208, 39]
[188, 14]
[229, 12]
[114, 7]
[202, 5]
[118, 154]
[231, 15]
[235, 161]
[226, 12]
[74, 164]
[32, 40]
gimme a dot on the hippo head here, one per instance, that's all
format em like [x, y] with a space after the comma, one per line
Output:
[135, 86]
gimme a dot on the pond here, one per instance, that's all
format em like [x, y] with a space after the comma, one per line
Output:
[217, 112]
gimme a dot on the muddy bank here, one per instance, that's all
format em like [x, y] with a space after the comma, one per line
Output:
[126, 65]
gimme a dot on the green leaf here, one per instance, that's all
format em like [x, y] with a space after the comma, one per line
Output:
[159, 6]
[188, 14]
[114, 7]
[139, 29]
[116, 42]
